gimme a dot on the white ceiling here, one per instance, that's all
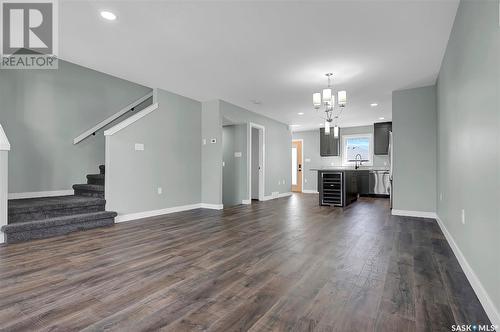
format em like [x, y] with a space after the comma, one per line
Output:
[275, 52]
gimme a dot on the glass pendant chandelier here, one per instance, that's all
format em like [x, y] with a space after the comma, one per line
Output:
[327, 100]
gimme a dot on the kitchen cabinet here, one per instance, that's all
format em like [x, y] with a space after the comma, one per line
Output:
[363, 180]
[329, 145]
[337, 188]
[381, 132]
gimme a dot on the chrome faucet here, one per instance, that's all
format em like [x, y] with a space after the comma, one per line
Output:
[356, 166]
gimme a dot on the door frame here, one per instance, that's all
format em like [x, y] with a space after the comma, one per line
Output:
[301, 140]
[262, 152]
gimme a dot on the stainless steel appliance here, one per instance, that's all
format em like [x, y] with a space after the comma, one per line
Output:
[379, 182]
[391, 166]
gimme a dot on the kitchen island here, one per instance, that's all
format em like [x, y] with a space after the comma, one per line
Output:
[341, 186]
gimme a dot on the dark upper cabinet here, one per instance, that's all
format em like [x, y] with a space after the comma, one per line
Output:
[381, 137]
[329, 145]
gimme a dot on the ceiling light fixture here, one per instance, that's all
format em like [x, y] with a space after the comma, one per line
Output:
[108, 15]
[300, 113]
[373, 104]
[327, 99]
[381, 118]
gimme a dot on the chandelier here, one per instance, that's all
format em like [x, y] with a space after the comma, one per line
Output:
[327, 100]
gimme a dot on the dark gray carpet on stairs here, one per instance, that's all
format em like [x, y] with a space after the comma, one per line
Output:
[37, 218]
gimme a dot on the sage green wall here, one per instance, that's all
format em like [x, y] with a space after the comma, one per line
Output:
[42, 111]
[313, 159]
[278, 156]
[414, 129]
[211, 154]
[235, 168]
[278, 148]
[468, 92]
[171, 158]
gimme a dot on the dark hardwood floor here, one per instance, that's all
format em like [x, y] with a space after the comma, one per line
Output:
[285, 264]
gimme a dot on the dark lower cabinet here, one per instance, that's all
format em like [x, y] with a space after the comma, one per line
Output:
[363, 183]
[337, 188]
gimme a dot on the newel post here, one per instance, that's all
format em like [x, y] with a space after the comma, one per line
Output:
[4, 177]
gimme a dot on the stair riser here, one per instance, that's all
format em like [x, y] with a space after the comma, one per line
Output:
[56, 231]
[88, 193]
[45, 214]
[95, 181]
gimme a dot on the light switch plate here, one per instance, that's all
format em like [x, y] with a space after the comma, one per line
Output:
[237, 154]
[160, 190]
[204, 141]
[308, 160]
[139, 147]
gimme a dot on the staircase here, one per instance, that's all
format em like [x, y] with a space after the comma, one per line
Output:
[38, 218]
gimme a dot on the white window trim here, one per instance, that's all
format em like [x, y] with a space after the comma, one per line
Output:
[344, 154]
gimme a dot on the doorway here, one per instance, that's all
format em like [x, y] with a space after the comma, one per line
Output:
[297, 166]
[256, 162]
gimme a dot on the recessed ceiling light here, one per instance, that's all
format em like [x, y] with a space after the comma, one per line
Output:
[300, 113]
[373, 104]
[108, 15]
[381, 118]
[295, 125]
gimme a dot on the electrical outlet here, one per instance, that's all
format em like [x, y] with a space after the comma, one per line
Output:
[160, 190]
[308, 160]
[463, 216]
[139, 147]
[237, 154]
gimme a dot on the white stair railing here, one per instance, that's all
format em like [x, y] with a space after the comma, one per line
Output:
[112, 118]
[4, 177]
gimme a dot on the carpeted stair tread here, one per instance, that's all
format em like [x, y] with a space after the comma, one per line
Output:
[52, 203]
[89, 190]
[95, 179]
[89, 187]
[24, 210]
[58, 221]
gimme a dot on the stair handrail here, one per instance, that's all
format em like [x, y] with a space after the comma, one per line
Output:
[112, 118]
[4, 177]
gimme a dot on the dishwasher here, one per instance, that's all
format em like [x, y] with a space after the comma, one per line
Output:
[379, 182]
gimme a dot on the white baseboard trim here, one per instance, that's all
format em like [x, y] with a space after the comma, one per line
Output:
[36, 194]
[308, 191]
[418, 214]
[276, 194]
[246, 201]
[155, 213]
[488, 305]
[212, 206]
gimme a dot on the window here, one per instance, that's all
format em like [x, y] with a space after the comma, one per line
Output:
[360, 146]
